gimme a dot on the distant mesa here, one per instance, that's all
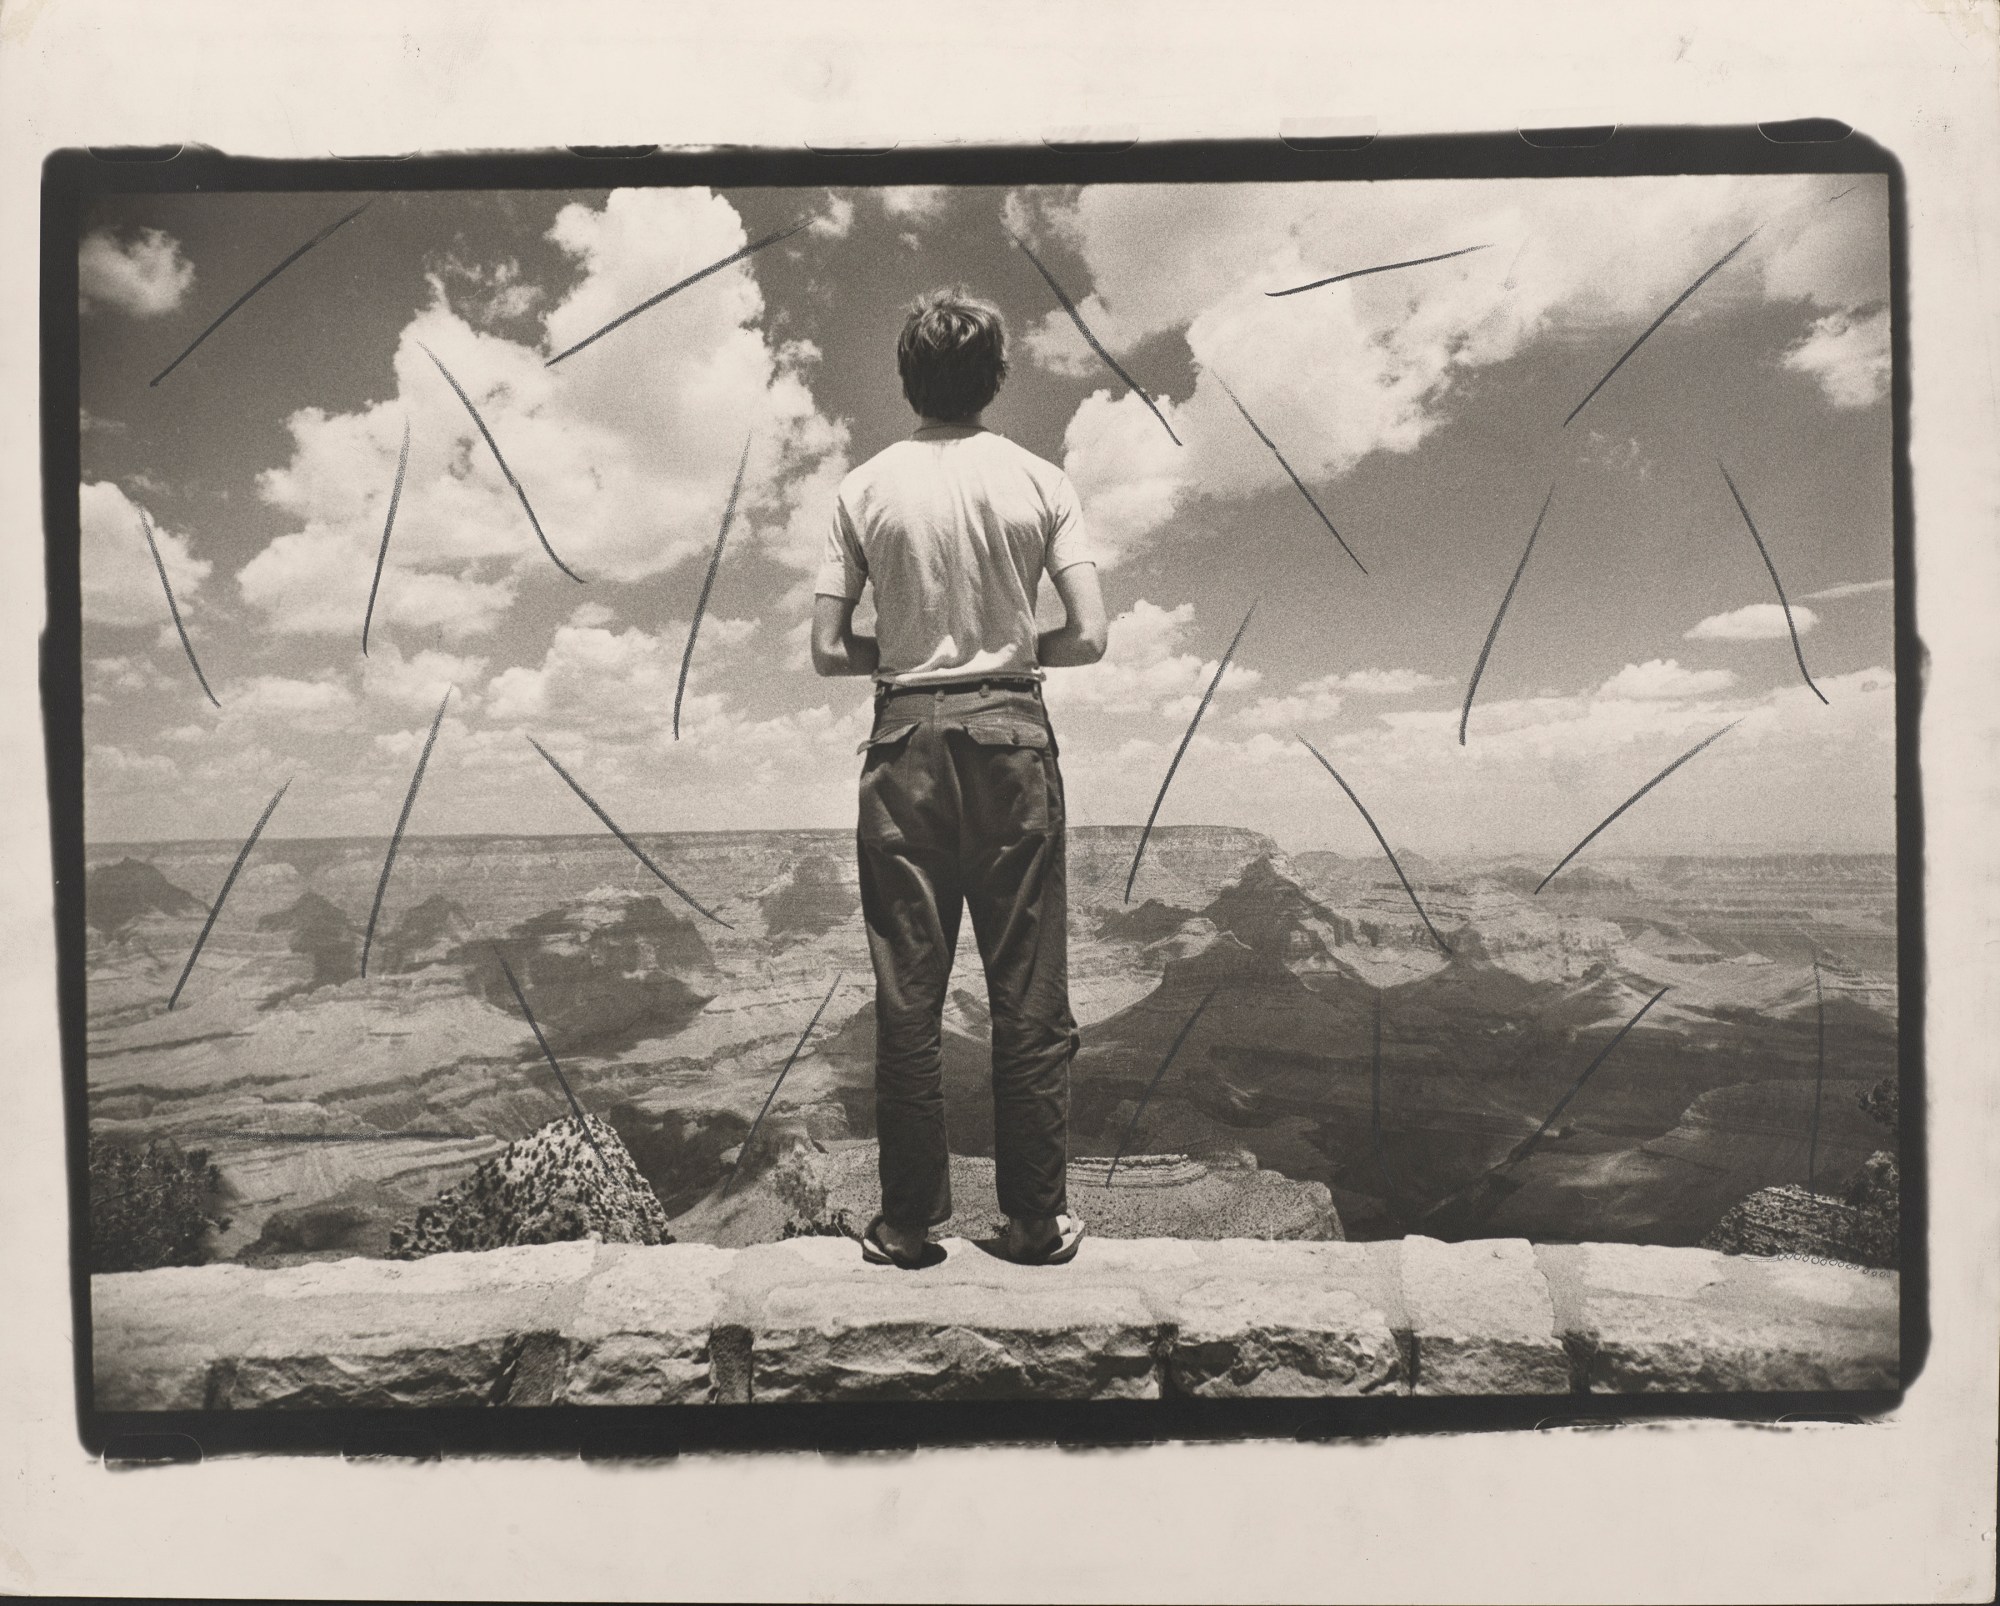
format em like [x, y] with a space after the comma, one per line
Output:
[115, 896]
[817, 896]
[1143, 923]
[426, 934]
[549, 1187]
[1576, 878]
[320, 933]
[1271, 913]
[600, 975]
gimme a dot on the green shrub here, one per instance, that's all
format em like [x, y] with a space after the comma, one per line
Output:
[151, 1205]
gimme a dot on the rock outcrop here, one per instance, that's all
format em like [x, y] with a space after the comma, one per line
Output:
[549, 1187]
[1861, 1225]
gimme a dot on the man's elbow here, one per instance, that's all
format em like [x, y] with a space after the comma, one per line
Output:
[824, 661]
[1092, 640]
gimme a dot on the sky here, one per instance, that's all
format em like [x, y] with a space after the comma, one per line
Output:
[1423, 407]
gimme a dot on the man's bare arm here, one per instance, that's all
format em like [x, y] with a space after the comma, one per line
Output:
[836, 649]
[1080, 638]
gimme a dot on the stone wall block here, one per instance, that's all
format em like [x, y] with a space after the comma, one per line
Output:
[1696, 1320]
[824, 1326]
[641, 1335]
[1481, 1319]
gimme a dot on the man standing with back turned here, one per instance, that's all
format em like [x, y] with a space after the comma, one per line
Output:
[961, 800]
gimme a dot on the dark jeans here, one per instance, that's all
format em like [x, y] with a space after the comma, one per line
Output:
[962, 805]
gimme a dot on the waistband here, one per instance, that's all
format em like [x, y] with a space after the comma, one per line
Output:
[952, 688]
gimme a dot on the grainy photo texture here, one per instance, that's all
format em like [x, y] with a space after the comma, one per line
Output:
[943, 793]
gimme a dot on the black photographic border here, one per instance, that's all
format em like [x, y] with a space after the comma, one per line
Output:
[72, 179]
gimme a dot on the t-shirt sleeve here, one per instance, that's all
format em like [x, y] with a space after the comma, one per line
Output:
[1069, 541]
[843, 568]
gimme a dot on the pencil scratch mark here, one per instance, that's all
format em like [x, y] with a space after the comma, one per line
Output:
[1819, 1081]
[675, 289]
[1778, 585]
[1095, 345]
[1179, 752]
[1386, 267]
[494, 447]
[1493, 635]
[1622, 807]
[1379, 837]
[1311, 501]
[382, 557]
[548, 1054]
[1526, 1146]
[1394, 1193]
[402, 820]
[1174, 1048]
[744, 1153]
[1672, 307]
[1848, 191]
[228, 881]
[230, 310]
[708, 580]
[174, 607]
[636, 851]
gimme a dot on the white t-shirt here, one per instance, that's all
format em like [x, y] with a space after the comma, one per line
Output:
[955, 527]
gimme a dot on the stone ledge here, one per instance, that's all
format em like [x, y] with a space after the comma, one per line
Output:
[806, 1320]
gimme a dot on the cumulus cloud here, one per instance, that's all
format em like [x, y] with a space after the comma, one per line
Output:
[145, 276]
[418, 682]
[120, 585]
[489, 293]
[1370, 364]
[626, 450]
[836, 221]
[917, 203]
[1665, 678]
[1848, 353]
[1145, 668]
[1760, 621]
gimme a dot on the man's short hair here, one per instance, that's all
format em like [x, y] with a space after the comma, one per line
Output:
[952, 354]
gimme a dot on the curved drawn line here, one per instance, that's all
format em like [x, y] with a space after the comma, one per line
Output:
[535, 1026]
[1672, 307]
[403, 819]
[1819, 1082]
[1622, 807]
[675, 289]
[228, 881]
[1179, 752]
[708, 580]
[381, 557]
[743, 1153]
[1287, 467]
[1764, 552]
[637, 852]
[1379, 837]
[1526, 1146]
[1493, 635]
[494, 447]
[1395, 1194]
[1083, 329]
[174, 607]
[1387, 267]
[230, 310]
[1173, 1048]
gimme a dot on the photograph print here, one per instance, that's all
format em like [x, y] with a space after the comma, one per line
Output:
[889, 795]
